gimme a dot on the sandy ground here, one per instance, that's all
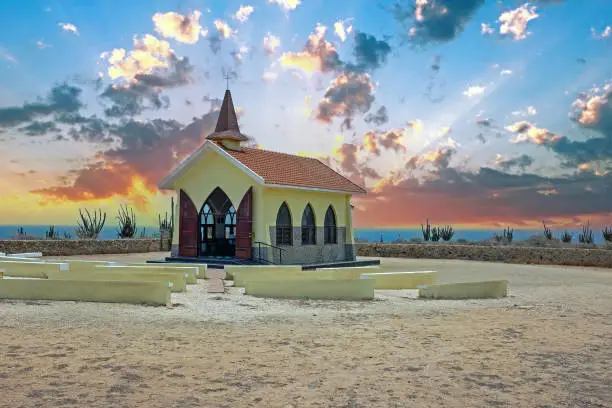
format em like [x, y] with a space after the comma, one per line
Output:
[549, 344]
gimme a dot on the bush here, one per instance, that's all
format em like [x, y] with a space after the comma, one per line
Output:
[446, 233]
[90, 227]
[566, 237]
[607, 234]
[127, 222]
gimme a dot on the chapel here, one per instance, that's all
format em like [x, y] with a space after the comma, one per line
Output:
[245, 203]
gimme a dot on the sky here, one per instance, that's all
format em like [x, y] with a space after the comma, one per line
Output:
[475, 113]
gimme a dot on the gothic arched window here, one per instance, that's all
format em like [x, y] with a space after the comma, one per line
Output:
[309, 229]
[283, 226]
[230, 222]
[330, 229]
[207, 223]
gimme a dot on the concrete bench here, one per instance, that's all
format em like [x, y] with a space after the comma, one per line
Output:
[21, 269]
[190, 273]
[152, 293]
[353, 289]
[465, 290]
[353, 272]
[28, 255]
[77, 265]
[231, 269]
[401, 280]
[17, 258]
[235, 272]
[200, 269]
[177, 281]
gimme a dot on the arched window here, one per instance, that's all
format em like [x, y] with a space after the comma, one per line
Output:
[283, 226]
[309, 230]
[230, 222]
[207, 221]
[330, 230]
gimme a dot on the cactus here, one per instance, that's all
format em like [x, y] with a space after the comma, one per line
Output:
[167, 224]
[90, 227]
[435, 234]
[127, 222]
[566, 237]
[446, 233]
[508, 235]
[586, 236]
[426, 231]
[607, 234]
[50, 233]
[547, 231]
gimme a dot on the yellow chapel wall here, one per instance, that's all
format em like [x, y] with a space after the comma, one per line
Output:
[297, 199]
[211, 171]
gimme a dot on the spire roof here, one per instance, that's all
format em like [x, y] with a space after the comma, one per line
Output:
[227, 123]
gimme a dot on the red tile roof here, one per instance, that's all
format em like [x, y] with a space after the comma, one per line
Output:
[290, 170]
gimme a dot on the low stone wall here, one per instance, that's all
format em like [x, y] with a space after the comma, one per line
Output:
[66, 247]
[509, 254]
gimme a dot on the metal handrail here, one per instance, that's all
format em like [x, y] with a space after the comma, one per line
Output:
[259, 258]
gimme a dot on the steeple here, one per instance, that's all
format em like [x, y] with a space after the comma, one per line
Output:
[227, 116]
[227, 131]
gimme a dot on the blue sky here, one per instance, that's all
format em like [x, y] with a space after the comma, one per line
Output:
[473, 93]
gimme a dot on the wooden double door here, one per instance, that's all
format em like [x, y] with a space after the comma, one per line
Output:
[199, 236]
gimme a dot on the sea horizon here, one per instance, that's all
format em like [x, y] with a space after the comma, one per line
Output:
[370, 234]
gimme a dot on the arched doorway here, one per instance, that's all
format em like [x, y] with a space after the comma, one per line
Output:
[217, 226]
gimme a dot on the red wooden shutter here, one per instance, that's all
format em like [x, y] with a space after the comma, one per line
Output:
[244, 226]
[188, 226]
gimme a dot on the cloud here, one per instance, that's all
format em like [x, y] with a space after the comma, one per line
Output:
[149, 53]
[243, 13]
[183, 28]
[269, 76]
[486, 29]
[130, 100]
[484, 196]
[341, 31]
[286, 5]
[63, 98]
[527, 132]
[529, 111]
[318, 54]
[380, 117]
[434, 21]
[270, 44]
[474, 91]
[223, 29]
[521, 162]
[41, 45]
[347, 95]
[8, 57]
[369, 52]
[146, 152]
[37, 128]
[505, 72]
[514, 22]
[606, 33]
[70, 28]
[240, 53]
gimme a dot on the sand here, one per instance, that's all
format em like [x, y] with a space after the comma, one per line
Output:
[549, 344]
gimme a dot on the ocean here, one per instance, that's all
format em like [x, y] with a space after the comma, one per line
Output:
[371, 234]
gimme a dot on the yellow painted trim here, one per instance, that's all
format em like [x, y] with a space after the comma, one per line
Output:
[402, 280]
[357, 289]
[177, 280]
[153, 293]
[20, 269]
[466, 290]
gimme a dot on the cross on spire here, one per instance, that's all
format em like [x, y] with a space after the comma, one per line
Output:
[227, 77]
